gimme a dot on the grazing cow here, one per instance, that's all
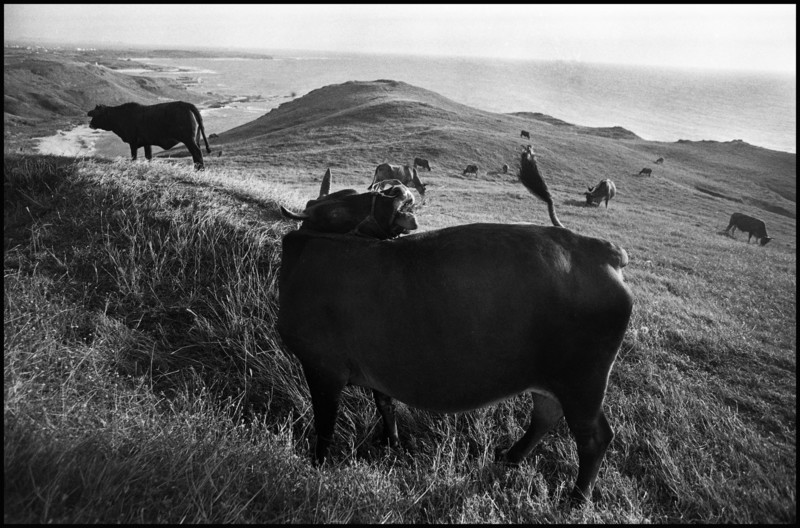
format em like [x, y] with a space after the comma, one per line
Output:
[753, 226]
[646, 172]
[405, 174]
[422, 162]
[531, 178]
[605, 190]
[659, 161]
[495, 310]
[505, 168]
[164, 125]
[471, 169]
[525, 134]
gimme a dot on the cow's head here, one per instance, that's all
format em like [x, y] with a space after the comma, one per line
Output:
[765, 240]
[385, 212]
[590, 195]
[100, 117]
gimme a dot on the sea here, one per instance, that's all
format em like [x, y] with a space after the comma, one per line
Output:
[659, 104]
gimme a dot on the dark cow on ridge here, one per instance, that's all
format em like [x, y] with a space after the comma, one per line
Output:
[751, 225]
[646, 172]
[405, 174]
[164, 125]
[605, 190]
[471, 169]
[422, 162]
[505, 168]
[659, 161]
[525, 134]
[494, 310]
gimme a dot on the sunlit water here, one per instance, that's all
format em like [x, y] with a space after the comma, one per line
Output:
[655, 103]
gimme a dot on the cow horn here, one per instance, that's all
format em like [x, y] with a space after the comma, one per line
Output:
[294, 216]
[325, 188]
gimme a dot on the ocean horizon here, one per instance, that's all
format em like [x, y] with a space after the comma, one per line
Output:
[657, 104]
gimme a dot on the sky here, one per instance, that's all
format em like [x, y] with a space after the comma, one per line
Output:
[741, 37]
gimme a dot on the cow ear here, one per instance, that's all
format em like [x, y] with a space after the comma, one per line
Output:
[294, 216]
[325, 188]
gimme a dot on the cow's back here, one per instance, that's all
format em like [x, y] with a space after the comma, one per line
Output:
[499, 291]
[749, 223]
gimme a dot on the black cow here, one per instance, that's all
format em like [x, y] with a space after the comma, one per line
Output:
[471, 169]
[525, 134]
[753, 226]
[487, 311]
[164, 125]
[659, 161]
[505, 168]
[422, 162]
[646, 172]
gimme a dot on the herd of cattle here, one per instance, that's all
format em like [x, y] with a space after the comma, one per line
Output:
[552, 305]
[167, 124]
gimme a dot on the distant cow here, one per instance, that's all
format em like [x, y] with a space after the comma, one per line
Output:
[403, 173]
[525, 134]
[164, 125]
[646, 172]
[605, 190]
[422, 162]
[471, 169]
[505, 168]
[659, 161]
[753, 226]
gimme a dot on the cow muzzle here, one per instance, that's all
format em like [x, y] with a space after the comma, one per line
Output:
[403, 221]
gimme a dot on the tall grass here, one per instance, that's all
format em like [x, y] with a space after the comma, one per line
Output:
[144, 380]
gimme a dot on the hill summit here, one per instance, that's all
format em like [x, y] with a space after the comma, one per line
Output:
[362, 123]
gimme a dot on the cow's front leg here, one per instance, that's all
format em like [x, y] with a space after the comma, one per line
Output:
[148, 152]
[134, 148]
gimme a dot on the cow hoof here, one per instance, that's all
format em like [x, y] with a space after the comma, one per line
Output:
[576, 499]
[501, 457]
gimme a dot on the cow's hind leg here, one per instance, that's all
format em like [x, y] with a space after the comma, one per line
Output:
[148, 152]
[326, 389]
[593, 435]
[546, 413]
[197, 154]
[134, 148]
[389, 414]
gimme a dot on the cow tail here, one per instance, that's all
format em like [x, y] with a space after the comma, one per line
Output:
[199, 118]
[531, 178]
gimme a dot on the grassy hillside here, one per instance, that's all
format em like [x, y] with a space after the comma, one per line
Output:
[45, 92]
[43, 88]
[144, 380]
